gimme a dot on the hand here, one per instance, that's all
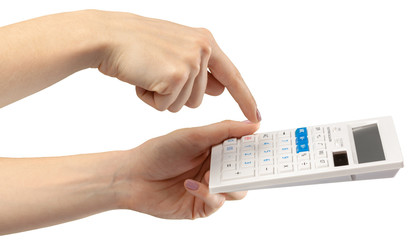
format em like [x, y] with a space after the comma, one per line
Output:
[168, 176]
[168, 63]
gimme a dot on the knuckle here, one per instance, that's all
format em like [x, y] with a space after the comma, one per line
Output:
[161, 88]
[235, 80]
[206, 32]
[204, 41]
[178, 75]
[226, 123]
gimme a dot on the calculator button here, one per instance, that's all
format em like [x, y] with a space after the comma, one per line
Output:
[229, 157]
[265, 170]
[229, 149]
[266, 161]
[302, 147]
[266, 144]
[285, 149]
[338, 142]
[322, 162]
[317, 130]
[243, 173]
[284, 141]
[301, 132]
[247, 163]
[319, 145]
[248, 147]
[319, 137]
[231, 141]
[301, 139]
[304, 165]
[285, 133]
[285, 167]
[248, 154]
[285, 158]
[336, 129]
[320, 153]
[265, 136]
[229, 166]
[248, 138]
[303, 156]
[266, 152]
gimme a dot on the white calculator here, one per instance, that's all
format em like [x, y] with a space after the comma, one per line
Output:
[355, 150]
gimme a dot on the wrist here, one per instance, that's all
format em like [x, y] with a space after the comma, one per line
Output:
[90, 36]
[124, 180]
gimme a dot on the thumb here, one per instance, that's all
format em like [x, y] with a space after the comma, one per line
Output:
[213, 134]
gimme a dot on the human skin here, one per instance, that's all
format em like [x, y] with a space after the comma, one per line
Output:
[166, 177]
[170, 65]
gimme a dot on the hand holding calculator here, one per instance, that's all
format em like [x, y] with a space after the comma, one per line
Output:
[346, 151]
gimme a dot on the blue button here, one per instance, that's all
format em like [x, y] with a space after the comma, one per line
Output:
[302, 147]
[301, 132]
[301, 139]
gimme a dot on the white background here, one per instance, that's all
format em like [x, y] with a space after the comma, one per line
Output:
[306, 62]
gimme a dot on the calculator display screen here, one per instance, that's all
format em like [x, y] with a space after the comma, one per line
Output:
[368, 143]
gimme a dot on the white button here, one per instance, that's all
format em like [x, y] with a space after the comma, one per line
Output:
[229, 157]
[317, 129]
[266, 161]
[284, 141]
[248, 154]
[248, 138]
[265, 170]
[247, 163]
[319, 145]
[285, 133]
[304, 165]
[266, 152]
[266, 144]
[338, 142]
[303, 156]
[285, 158]
[285, 167]
[320, 153]
[318, 137]
[229, 149]
[231, 141]
[285, 149]
[229, 166]
[322, 162]
[265, 136]
[243, 173]
[248, 147]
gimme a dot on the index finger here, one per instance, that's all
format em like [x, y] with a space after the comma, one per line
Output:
[226, 73]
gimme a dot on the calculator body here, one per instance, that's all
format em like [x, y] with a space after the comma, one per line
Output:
[347, 151]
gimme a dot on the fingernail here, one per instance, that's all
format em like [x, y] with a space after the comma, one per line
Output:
[259, 118]
[192, 185]
[247, 121]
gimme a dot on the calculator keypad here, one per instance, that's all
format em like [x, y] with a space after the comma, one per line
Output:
[274, 153]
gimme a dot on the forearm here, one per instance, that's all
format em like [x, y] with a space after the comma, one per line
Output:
[40, 52]
[39, 192]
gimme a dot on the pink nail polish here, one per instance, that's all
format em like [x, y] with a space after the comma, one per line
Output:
[259, 118]
[192, 185]
[247, 121]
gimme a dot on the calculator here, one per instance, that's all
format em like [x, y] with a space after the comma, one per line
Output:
[347, 151]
